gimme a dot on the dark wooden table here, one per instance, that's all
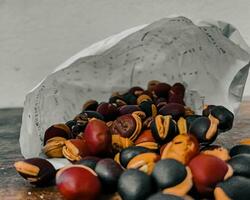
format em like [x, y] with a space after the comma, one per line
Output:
[13, 187]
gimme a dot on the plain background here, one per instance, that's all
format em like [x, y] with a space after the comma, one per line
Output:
[38, 35]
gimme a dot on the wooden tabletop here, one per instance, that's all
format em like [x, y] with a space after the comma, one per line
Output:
[14, 187]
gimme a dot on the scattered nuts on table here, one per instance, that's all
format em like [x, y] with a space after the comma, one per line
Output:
[143, 144]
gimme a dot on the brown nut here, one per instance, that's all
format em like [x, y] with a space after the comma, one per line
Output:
[182, 148]
[128, 126]
[57, 130]
[128, 109]
[119, 143]
[75, 149]
[53, 147]
[144, 162]
[152, 84]
[147, 140]
[37, 171]
[174, 109]
[90, 105]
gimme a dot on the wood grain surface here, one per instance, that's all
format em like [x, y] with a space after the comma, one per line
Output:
[14, 187]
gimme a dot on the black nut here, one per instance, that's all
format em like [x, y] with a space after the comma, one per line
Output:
[241, 165]
[239, 149]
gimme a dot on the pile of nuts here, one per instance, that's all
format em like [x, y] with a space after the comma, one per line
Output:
[143, 144]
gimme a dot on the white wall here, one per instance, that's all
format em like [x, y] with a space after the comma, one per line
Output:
[38, 35]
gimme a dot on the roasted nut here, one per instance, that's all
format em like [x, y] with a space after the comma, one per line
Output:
[164, 128]
[119, 143]
[128, 126]
[239, 149]
[204, 129]
[134, 185]
[37, 171]
[98, 137]
[149, 108]
[88, 161]
[117, 99]
[173, 177]
[93, 114]
[54, 146]
[70, 183]
[182, 148]
[225, 117]
[57, 130]
[75, 149]
[207, 110]
[178, 89]
[174, 109]
[128, 153]
[151, 85]
[128, 109]
[161, 90]
[162, 196]
[90, 105]
[144, 162]
[207, 171]
[108, 111]
[241, 165]
[217, 151]
[108, 172]
[142, 98]
[147, 140]
[236, 188]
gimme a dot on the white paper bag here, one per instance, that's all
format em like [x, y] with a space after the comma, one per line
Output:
[210, 59]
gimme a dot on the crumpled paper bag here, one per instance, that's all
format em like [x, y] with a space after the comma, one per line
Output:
[210, 58]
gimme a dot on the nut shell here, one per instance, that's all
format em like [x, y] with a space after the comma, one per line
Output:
[53, 147]
[37, 171]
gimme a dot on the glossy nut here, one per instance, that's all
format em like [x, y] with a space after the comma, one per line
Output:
[173, 177]
[98, 137]
[144, 162]
[161, 90]
[128, 153]
[147, 140]
[90, 105]
[239, 149]
[117, 100]
[190, 119]
[178, 89]
[57, 130]
[108, 172]
[128, 126]
[75, 149]
[37, 171]
[207, 171]
[134, 185]
[149, 108]
[53, 147]
[108, 111]
[182, 148]
[70, 183]
[207, 110]
[236, 187]
[119, 143]
[163, 128]
[162, 196]
[128, 109]
[241, 165]
[225, 117]
[217, 151]
[174, 109]
[204, 129]
[88, 161]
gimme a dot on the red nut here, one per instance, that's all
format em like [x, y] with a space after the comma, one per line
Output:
[98, 137]
[207, 171]
[78, 182]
